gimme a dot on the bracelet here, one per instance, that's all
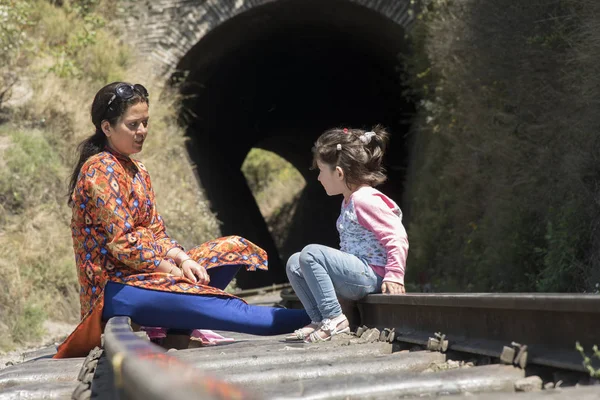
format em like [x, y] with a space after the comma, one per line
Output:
[187, 259]
[181, 254]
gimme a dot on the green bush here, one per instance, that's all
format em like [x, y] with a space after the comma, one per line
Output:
[276, 185]
[14, 21]
[587, 361]
[29, 324]
[31, 172]
[502, 187]
[261, 168]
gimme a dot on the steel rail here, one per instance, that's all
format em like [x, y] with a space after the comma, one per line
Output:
[372, 363]
[262, 290]
[143, 370]
[549, 325]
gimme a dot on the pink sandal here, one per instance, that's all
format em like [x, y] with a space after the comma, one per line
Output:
[206, 337]
[155, 333]
[209, 338]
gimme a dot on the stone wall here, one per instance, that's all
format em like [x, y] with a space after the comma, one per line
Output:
[167, 29]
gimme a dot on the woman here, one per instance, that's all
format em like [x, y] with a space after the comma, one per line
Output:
[127, 263]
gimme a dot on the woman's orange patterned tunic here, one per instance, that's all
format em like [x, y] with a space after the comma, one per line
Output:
[119, 236]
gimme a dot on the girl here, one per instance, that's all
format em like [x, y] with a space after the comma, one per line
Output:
[373, 241]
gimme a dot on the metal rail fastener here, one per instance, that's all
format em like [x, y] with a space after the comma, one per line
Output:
[437, 343]
[516, 355]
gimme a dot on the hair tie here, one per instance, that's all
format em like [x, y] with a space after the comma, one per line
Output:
[366, 137]
[345, 130]
[338, 147]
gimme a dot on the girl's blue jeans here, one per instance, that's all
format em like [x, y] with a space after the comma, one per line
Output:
[319, 273]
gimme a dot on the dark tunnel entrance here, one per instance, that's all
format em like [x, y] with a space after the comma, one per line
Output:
[276, 77]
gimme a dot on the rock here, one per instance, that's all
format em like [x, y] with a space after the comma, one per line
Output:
[529, 384]
[361, 330]
[443, 366]
[343, 339]
[370, 336]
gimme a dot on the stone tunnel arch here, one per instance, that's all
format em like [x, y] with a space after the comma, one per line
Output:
[275, 74]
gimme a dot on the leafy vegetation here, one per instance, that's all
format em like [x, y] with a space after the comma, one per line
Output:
[273, 181]
[14, 20]
[587, 361]
[504, 181]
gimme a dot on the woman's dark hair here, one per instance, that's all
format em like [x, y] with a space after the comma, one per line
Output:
[101, 111]
[357, 152]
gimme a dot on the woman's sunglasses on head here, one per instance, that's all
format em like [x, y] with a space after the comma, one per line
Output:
[125, 91]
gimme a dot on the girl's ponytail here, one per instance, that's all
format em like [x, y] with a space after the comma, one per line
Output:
[375, 150]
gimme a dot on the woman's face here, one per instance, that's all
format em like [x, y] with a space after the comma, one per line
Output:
[127, 136]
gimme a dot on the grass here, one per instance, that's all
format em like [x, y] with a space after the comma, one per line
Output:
[276, 186]
[274, 182]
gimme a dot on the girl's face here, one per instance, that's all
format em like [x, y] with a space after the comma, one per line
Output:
[331, 178]
[128, 134]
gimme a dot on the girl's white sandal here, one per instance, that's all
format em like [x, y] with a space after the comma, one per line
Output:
[302, 334]
[330, 327]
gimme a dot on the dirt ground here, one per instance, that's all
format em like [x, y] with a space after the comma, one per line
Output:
[56, 332]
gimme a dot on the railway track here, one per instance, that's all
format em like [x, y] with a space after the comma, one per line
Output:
[486, 346]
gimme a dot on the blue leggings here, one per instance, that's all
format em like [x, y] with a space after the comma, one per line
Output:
[185, 312]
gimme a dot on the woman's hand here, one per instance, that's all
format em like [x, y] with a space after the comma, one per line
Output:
[194, 271]
[392, 288]
[167, 267]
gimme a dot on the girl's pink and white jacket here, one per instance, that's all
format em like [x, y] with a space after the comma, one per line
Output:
[370, 227]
